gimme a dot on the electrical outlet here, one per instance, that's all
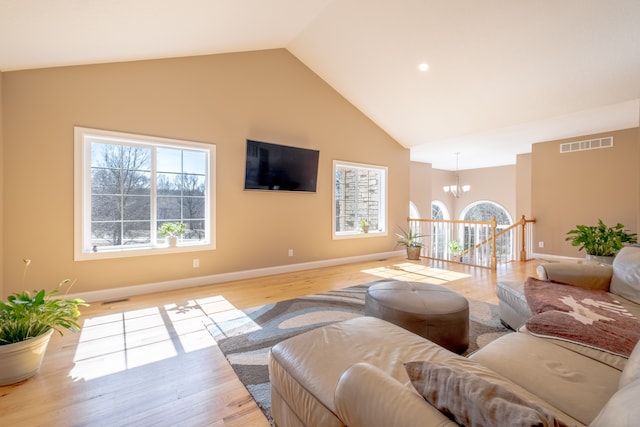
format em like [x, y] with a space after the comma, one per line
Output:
[290, 252]
[196, 263]
[541, 244]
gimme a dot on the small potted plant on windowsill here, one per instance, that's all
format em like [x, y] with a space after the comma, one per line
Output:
[411, 241]
[171, 230]
[364, 225]
[601, 243]
[27, 321]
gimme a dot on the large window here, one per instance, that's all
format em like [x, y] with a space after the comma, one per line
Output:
[485, 211]
[359, 193]
[128, 186]
[440, 232]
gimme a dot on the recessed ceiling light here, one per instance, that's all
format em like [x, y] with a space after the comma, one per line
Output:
[423, 67]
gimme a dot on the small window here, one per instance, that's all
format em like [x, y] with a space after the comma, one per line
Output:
[359, 194]
[128, 186]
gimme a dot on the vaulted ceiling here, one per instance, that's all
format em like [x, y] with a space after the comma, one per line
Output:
[502, 74]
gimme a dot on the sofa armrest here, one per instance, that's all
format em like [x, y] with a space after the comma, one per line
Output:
[590, 276]
[367, 397]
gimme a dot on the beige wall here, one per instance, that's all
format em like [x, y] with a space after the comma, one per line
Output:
[523, 185]
[1, 189]
[582, 187]
[496, 184]
[420, 191]
[219, 99]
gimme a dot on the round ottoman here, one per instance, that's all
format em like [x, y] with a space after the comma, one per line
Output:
[433, 312]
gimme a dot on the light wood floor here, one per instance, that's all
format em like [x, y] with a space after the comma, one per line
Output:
[149, 360]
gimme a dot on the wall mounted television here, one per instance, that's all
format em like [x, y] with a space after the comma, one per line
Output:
[275, 167]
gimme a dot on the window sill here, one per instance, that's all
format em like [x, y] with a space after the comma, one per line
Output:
[358, 235]
[147, 251]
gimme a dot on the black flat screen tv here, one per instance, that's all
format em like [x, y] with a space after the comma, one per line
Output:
[275, 167]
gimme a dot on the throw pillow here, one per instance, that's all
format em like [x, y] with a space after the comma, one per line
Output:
[631, 371]
[626, 274]
[475, 401]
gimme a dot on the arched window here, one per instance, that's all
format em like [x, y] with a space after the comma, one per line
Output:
[439, 210]
[418, 227]
[413, 210]
[485, 211]
[440, 232]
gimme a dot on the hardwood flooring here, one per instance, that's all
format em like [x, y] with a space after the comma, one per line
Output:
[149, 360]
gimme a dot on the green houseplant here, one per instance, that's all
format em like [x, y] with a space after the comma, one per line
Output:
[171, 230]
[600, 240]
[27, 321]
[364, 225]
[455, 249]
[410, 239]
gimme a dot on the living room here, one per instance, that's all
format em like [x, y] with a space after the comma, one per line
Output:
[267, 94]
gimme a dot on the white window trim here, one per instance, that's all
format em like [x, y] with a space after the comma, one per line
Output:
[383, 215]
[82, 193]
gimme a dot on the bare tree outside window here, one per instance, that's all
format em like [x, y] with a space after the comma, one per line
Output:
[131, 185]
[120, 195]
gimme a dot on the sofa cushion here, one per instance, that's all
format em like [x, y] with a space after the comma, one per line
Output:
[474, 400]
[626, 274]
[576, 385]
[622, 410]
[631, 370]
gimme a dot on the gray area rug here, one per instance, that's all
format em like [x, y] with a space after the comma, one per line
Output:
[245, 336]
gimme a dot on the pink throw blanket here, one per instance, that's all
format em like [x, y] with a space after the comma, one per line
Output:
[585, 316]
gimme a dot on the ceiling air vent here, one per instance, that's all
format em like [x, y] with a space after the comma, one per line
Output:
[587, 144]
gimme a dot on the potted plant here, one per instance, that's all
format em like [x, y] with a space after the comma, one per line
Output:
[601, 243]
[364, 225]
[171, 230]
[411, 241]
[27, 321]
[455, 249]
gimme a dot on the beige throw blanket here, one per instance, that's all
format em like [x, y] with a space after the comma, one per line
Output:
[584, 316]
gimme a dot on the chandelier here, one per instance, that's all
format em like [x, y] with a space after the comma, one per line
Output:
[456, 189]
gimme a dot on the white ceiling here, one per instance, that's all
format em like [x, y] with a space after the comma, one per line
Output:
[503, 74]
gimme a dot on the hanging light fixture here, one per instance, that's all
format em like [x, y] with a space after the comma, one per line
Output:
[456, 189]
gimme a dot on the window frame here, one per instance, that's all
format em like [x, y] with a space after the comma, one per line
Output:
[383, 212]
[83, 137]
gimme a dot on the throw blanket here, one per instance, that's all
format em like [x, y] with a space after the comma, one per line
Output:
[586, 316]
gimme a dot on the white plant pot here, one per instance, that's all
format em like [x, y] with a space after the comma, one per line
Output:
[22, 360]
[599, 259]
[172, 241]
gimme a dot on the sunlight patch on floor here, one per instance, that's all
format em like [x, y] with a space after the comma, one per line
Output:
[224, 320]
[415, 272]
[116, 342]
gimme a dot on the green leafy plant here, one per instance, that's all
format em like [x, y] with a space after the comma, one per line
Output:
[30, 314]
[172, 229]
[409, 238]
[455, 247]
[364, 225]
[600, 240]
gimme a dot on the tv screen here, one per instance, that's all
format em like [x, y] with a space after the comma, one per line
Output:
[275, 167]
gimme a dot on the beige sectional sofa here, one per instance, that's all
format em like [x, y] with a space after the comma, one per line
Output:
[368, 372]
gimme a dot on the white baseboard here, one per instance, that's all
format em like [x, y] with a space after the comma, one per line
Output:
[130, 291]
[556, 258]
